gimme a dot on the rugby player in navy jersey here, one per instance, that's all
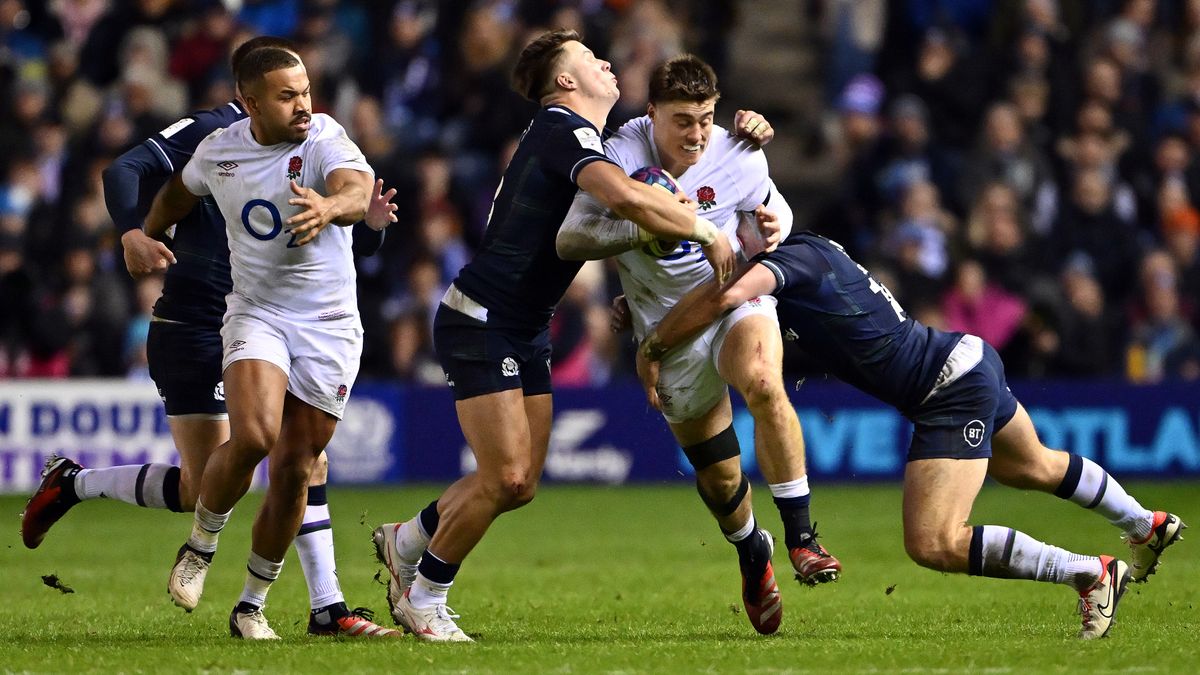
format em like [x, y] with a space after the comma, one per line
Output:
[967, 424]
[184, 353]
[491, 331]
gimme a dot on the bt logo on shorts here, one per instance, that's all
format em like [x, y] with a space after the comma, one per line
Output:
[973, 433]
[509, 368]
[219, 391]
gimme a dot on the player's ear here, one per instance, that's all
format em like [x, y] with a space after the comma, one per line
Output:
[566, 81]
[650, 109]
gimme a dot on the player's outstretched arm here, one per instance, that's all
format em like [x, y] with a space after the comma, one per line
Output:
[589, 232]
[171, 204]
[122, 179]
[656, 212]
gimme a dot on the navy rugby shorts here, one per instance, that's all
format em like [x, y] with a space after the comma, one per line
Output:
[185, 364]
[958, 421]
[480, 359]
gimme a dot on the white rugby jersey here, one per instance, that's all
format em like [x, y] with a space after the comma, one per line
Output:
[251, 184]
[731, 176]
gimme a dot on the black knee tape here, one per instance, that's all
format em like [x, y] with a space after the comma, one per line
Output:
[724, 509]
[719, 448]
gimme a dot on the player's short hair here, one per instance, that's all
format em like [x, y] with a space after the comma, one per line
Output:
[258, 42]
[261, 61]
[683, 78]
[533, 76]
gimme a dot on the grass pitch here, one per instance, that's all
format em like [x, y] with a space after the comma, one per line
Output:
[591, 579]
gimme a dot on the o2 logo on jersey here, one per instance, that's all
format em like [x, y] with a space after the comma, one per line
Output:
[668, 250]
[276, 221]
[973, 433]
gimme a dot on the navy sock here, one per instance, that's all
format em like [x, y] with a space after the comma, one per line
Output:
[429, 518]
[797, 529]
[437, 570]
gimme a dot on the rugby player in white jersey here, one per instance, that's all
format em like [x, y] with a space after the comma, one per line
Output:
[184, 353]
[291, 336]
[726, 176]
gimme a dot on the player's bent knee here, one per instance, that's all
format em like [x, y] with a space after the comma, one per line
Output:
[762, 389]
[292, 475]
[940, 553]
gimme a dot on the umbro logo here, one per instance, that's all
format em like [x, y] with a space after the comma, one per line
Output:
[237, 345]
[226, 168]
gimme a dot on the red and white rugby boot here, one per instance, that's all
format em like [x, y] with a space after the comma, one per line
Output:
[1166, 529]
[356, 623]
[1098, 604]
[760, 593]
[813, 564]
[55, 496]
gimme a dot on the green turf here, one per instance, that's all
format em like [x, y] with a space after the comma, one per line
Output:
[600, 580]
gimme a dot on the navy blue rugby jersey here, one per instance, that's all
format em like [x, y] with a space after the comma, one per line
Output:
[835, 311]
[195, 287]
[517, 274]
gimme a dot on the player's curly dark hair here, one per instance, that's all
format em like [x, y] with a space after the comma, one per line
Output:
[258, 42]
[683, 78]
[259, 62]
[533, 76]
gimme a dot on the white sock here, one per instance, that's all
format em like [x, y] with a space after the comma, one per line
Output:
[1096, 489]
[260, 574]
[792, 488]
[206, 528]
[411, 541]
[425, 593]
[139, 484]
[742, 532]
[314, 548]
[1005, 553]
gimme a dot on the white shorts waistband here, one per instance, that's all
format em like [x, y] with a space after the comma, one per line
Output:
[459, 302]
[965, 356]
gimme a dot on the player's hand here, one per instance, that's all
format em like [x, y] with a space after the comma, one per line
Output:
[316, 216]
[768, 225]
[720, 255]
[753, 127]
[381, 212]
[145, 255]
[687, 201]
[647, 372]
[619, 319]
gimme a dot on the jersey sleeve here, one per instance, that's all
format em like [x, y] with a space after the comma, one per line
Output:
[337, 151]
[627, 147]
[195, 178]
[174, 145]
[570, 147]
[756, 179]
[790, 268]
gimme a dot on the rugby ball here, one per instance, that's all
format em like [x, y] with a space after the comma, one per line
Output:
[661, 178]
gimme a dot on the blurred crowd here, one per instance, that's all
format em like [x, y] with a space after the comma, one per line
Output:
[1025, 170]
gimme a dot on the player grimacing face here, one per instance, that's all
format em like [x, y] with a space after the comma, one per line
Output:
[593, 76]
[681, 131]
[281, 105]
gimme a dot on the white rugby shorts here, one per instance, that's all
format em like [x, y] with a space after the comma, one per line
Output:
[689, 383]
[321, 362]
